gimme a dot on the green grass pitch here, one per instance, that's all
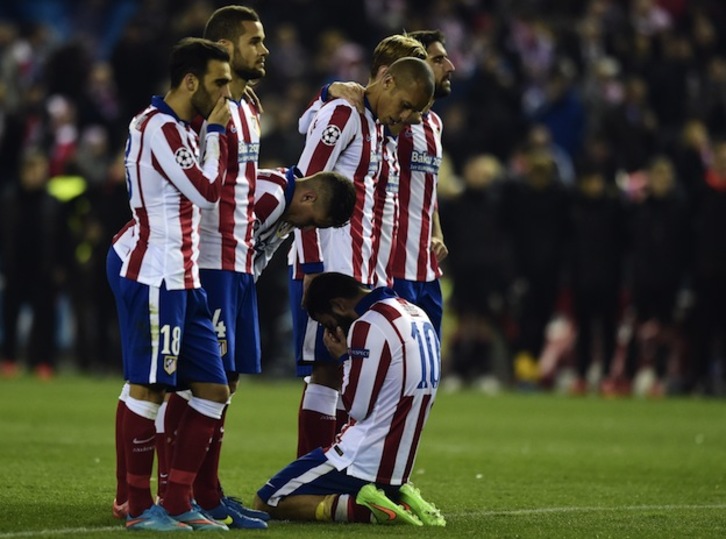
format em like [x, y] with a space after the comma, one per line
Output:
[514, 466]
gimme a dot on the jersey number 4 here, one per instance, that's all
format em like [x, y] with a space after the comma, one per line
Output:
[429, 353]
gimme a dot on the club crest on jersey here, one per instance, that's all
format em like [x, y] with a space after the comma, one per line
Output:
[184, 158]
[331, 134]
[170, 364]
[359, 352]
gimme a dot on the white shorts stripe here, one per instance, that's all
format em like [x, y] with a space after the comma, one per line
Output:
[154, 325]
[296, 482]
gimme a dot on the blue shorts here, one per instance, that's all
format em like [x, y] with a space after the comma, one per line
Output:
[232, 299]
[307, 334]
[426, 295]
[113, 276]
[167, 334]
[311, 474]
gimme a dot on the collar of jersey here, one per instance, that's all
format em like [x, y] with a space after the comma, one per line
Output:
[368, 106]
[292, 174]
[158, 102]
[374, 296]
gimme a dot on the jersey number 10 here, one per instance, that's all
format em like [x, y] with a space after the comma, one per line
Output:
[429, 353]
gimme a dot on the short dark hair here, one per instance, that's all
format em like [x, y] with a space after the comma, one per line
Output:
[226, 22]
[339, 194]
[413, 71]
[192, 55]
[326, 287]
[427, 37]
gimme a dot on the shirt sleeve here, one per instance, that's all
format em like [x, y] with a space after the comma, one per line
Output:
[173, 158]
[333, 128]
[269, 207]
[303, 124]
[364, 373]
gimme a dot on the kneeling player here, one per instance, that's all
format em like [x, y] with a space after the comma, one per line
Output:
[391, 363]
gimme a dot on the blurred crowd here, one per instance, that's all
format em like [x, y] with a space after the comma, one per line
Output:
[582, 195]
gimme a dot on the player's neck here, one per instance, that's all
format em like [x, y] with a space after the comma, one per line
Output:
[181, 106]
[237, 88]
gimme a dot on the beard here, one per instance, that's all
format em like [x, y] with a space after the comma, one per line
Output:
[442, 90]
[246, 72]
[202, 101]
[344, 322]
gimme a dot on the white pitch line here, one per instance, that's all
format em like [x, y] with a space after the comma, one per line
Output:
[60, 531]
[511, 512]
[549, 510]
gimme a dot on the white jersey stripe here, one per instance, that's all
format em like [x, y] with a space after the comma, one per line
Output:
[155, 330]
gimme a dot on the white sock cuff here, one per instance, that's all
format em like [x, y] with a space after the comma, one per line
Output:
[159, 422]
[146, 409]
[207, 408]
[186, 394]
[341, 508]
[321, 399]
[340, 405]
[124, 392]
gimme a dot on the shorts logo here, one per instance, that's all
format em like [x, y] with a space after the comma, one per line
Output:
[331, 134]
[184, 158]
[358, 352]
[223, 347]
[170, 364]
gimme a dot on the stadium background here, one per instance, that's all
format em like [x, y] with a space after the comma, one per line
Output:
[600, 84]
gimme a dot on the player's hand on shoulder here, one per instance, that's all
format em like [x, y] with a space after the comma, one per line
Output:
[220, 114]
[352, 92]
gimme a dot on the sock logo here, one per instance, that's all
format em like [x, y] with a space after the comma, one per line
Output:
[137, 441]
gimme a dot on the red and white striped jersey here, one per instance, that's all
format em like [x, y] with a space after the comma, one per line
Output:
[273, 194]
[341, 139]
[389, 386]
[227, 237]
[419, 156]
[167, 187]
[386, 212]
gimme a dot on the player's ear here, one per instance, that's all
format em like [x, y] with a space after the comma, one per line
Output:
[382, 71]
[338, 305]
[190, 82]
[309, 196]
[228, 45]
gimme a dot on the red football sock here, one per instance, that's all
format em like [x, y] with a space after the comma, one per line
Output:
[207, 488]
[162, 464]
[121, 490]
[341, 417]
[190, 447]
[357, 513]
[138, 435]
[175, 408]
[316, 419]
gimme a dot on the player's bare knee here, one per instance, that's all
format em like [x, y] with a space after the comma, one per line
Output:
[327, 374]
[147, 392]
[232, 382]
[211, 392]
